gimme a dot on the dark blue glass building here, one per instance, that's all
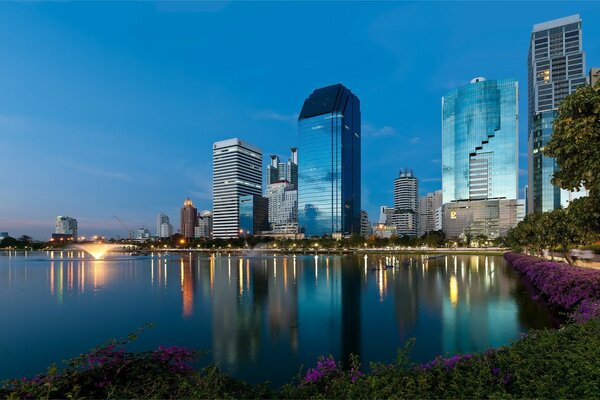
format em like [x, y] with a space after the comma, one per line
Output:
[329, 162]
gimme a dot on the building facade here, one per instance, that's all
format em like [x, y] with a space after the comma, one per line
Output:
[204, 227]
[556, 68]
[329, 163]
[164, 229]
[237, 171]
[385, 215]
[279, 171]
[65, 227]
[187, 219]
[365, 225]
[283, 204]
[406, 204]
[594, 76]
[253, 215]
[490, 218]
[428, 205]
[480, 141]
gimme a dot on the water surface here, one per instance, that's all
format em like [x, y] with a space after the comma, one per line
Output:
[260, 317]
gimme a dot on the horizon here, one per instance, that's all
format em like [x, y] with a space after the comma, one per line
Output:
[100, 120]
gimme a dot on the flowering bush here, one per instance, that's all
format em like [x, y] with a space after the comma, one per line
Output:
[573, 289]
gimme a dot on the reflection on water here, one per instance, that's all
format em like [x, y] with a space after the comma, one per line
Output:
[261, 317]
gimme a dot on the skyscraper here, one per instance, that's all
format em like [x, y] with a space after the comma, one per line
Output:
[237, 171]
[283, 207]
[479, 141]
[329, 133]
[187, 219]
[164, 229]
[204, 227]
[280, 171]
[406, 204]
[556, 68]
[428, 206]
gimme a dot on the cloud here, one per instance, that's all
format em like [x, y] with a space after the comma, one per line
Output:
[275, 116]
[98, 172]
[431, 180]
[414, 140]
[524, 154]
[370, 130]
[523, 172]
[436, 161]
[190, 6]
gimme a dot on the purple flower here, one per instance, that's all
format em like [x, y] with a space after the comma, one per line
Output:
[325, 366]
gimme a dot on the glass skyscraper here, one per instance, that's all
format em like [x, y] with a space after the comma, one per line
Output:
[479, 141]
[556, 69]
[329, 133]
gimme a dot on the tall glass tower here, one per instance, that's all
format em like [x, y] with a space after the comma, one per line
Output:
[479, 141]
[329, 162]
[556, 69]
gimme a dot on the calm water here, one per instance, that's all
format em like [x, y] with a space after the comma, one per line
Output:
[260, 317]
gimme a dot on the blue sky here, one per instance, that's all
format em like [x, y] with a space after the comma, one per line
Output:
[111, 108]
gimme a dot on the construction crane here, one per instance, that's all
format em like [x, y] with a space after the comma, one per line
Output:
[130, 231]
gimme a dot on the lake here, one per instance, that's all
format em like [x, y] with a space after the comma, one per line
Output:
[260, 317]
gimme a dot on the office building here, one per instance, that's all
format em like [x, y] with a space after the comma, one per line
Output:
[279, 171]
[479, 141]
[385, 215]
[365, 225]
[556, 68]
[204, 226]
[237, 171]
[406, 204]
[142, 234]
[164, 229]
[187, 219]
[329, 136]
[283, 205]
[428, 206]
[65, 228]
[253, 215]
[594, 76]
[489, 218]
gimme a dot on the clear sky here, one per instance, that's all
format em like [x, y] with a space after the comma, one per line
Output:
[112, 108]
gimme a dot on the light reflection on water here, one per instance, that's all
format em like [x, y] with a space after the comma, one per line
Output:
[260, 317]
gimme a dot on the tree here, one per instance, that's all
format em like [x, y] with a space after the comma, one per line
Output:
[575, 142]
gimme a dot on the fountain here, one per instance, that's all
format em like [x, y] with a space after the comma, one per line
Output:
[96, 250]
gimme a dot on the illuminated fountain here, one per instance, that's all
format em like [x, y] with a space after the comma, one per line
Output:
[96, 250]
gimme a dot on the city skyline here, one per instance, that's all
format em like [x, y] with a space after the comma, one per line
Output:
[119, 120]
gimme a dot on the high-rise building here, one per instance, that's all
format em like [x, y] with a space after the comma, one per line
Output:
[279, 171]
[187, 219]
[164, 229]
[556, 69]
[406, 204]
[428, 206]
[253, 214]
[65, 228]
[385, 215]
[491, 218]
[329, 131]
[479, 141]
[204, 226]
[237, 171]
[142, 234]
[365, 226]
[594, 76]
[283, 205]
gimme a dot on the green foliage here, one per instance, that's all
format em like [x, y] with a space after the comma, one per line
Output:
[575, 142]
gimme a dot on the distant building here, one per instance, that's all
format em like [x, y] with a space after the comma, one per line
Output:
[188, 216]
[491, 218]
[237, 172]
[279, 171]
[3, 235]
[329, 136]
[365, 226]
[384, 231]
[385, 215]
[142, 234]
[164, 229]
[406, 204]
[283, 205]
[204, 227]
[439, 218]
[556, 67]
[428, 206]
[594, 76]
[253, 215]
[65, 228]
